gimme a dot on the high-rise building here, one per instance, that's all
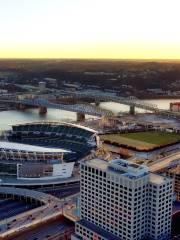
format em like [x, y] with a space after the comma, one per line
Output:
[174, 173]
[122, 200]
[42, 86]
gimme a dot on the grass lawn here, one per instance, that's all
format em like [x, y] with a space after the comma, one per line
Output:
[143, 140]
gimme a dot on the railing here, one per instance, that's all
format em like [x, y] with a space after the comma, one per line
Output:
[80, 108]
[132, 101]
[93, 110]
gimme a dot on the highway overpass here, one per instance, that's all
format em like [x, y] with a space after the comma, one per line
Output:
[164, 162]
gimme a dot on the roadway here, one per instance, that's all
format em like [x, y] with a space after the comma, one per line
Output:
[131, 101]
[64, 192]
[97, 111]
[52, 208]
[84, 108]
[46, 231]
[164, 162]
[41, 183]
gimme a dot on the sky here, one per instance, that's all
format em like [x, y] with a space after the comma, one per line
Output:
[118, 29]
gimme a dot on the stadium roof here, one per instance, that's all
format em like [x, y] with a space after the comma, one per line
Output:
[30, 148]
[39, 182]
[81, 126]
[58, 123]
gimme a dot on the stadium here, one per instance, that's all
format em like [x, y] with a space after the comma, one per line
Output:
[44, 153]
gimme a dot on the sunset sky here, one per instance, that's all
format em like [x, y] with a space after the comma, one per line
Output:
[90, 29]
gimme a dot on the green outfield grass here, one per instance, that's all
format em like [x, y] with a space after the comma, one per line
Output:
[143, 140]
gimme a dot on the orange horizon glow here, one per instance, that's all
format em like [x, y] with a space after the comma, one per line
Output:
[91, 29]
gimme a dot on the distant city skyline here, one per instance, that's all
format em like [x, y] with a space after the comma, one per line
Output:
[115, 29]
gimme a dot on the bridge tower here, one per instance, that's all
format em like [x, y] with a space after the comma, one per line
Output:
[80, 117]
[132, 110]
[42, 110]
[97, 103]
[21, 106]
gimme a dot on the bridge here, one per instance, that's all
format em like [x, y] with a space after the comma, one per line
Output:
[164, 162]
[84, 108]
[132, 102]
[81, 109]
[48, 209]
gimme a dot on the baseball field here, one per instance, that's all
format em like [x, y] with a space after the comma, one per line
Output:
[142, 140]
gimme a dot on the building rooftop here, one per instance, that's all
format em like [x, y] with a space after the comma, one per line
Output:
[98, 163]
[127, 168]
[175, 170]
[29, 148]
[157, 179]
[119, 166]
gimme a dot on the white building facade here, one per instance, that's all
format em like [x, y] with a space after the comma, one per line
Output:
[121, 200]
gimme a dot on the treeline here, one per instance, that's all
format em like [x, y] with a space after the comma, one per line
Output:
[160, 74]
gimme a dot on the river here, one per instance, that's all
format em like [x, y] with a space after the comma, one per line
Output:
[116, 107]
[7, 118]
